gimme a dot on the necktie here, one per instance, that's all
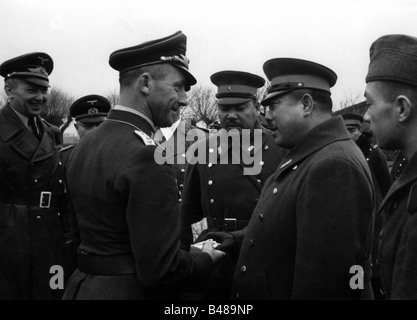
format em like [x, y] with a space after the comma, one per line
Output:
[34, 128]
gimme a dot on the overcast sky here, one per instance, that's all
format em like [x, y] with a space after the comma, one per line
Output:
[222, 35]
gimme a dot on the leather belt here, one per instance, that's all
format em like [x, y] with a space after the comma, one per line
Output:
[227, 224]
[106, 265]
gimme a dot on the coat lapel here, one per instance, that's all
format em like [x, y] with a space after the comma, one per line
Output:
[322, 135]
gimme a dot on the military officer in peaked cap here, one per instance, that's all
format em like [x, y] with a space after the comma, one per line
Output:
[222, 192]
[381, 180]
[89, 112]
[392, 104]
[309, 228]
[32, 203]
[127, 210]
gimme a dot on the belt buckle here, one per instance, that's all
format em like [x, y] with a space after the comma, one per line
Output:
[231, 224]
[45, 200]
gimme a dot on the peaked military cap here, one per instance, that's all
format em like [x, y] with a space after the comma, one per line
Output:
[170, 49]
[287, 74]
[90, 109]
[352, 120]
[32, 67]
[236, 87]
[393, 58]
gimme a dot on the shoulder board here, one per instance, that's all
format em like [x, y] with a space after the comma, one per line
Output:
[147, 140]
[67, 148]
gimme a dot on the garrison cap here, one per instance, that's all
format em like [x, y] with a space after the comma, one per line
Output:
[90, 109]
[393, 58]
[352, 120]
[236, 87]
[287, 74]
[170, 49]
[31, 67]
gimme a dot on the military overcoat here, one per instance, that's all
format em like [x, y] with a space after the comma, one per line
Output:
[312, 224]
[32, 210]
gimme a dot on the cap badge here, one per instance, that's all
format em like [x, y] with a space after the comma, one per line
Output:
[181, 59]
[92, 102]
[92, 111]
[39, 70]
[43, 60]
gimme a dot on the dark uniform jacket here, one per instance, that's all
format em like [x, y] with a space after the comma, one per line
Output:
[31, 232]
[128, 217]
[398, 238]
[382, 182]
[226, 197]
[313, 222]
[221, 191]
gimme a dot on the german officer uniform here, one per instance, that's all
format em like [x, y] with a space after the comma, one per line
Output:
[32, 205]
[393, 58]
[220, 192]
[308, 228]
[127, 208]
[90, 110]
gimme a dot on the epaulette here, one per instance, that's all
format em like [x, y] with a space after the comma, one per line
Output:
[67, 148]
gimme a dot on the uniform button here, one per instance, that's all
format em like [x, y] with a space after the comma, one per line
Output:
[211, 150]
[261, 217]
[210, 165]
[367, 159]
[183, 155]
[210, 182]
[181, 186]
[261, 163]
[243, 269]
[38, 217]
[251, 242]
[179, 200]
[60, 163]
[266, 147]
[60, 181]
[182, 170]
[211, 201]
[259, 180]
[295, 167]
[59, 214]
[275, 191]
[36, 180]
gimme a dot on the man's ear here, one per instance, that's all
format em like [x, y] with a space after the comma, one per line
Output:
[145, 83]
[404, 108]
[308, 104]
[9, 91]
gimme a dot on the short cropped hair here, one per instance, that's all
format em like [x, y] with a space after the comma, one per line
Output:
[157, 72]
[391, 90]
[322, 99]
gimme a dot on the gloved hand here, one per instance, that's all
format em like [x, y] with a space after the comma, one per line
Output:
[226, 240]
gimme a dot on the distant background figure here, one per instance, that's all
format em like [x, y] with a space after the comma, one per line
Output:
[382, 182]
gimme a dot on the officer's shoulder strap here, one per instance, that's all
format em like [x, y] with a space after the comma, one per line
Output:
[67, 148]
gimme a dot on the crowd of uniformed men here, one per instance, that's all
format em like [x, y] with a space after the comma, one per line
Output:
[120, 224]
